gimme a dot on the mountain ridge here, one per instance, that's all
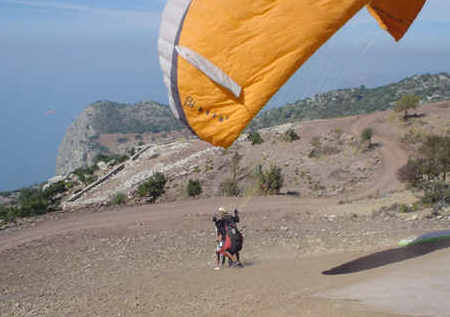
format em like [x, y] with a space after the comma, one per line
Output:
[148, 120]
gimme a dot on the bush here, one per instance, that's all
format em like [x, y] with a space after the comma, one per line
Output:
[119, 199]
[403, 208]
[229, 187]
[437, 192]
[90, 179]
[432, 165]
[405, 103]
[429, 171]
[271, 180]
[194, 188]
[290, 136]
[32, 202]
[410, 173]
[366, 135]
[117, 158]
[8, 213]
[255, 138]
[153, 188]
[86, 174]
[437, 149]
[54, 189]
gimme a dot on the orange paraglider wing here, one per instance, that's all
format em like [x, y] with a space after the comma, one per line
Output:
[223, 60]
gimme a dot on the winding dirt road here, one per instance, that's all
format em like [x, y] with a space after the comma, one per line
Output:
[394, 153]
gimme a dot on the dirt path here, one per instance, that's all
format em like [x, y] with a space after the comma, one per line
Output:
[394, 155]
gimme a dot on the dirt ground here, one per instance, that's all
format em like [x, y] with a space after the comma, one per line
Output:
[302, 256]
[157, 260]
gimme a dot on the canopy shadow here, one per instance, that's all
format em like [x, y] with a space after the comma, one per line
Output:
[387, 257]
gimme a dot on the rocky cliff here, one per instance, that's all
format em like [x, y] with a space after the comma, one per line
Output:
[81, 144]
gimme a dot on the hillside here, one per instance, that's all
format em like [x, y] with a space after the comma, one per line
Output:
[327, 161]
[109, 127]
[83, 139]
[325, 246]
[348, 102]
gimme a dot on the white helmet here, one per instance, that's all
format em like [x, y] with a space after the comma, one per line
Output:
[222, 211]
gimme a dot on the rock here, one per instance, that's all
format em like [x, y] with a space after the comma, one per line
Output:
[81, 145]
[102, 165]
[55, 180]
[332, 217]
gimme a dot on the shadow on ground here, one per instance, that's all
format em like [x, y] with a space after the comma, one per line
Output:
[386, 257]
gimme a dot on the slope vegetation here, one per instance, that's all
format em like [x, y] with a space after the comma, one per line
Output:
[156, 260]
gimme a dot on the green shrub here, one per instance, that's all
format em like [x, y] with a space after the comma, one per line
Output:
[119, 199]
[436, 148]
[194, 188]
[121, 158]
[403, 208]
[84, 173]
[153, 188]
[416, 206]
[406, 103]
[101, 158]
[8, 213]
[90, 179]
[366, 135]
[431, 168]
[290, 136]
[32, 202]
[229, 187]
[439, 191]
[117, 158]
[255, 138]
[429, 171]
[132, 151]
[271, 180]
[54, 189]
[410, 172]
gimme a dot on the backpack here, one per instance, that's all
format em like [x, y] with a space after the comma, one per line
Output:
[233, 232]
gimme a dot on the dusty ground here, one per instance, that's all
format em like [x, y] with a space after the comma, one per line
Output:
[157, 260]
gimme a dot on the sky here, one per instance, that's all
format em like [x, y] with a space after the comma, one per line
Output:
[57, 57]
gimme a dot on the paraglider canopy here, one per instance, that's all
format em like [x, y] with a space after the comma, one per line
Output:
[223, 60]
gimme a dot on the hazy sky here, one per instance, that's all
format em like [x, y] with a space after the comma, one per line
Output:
[56, 57]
